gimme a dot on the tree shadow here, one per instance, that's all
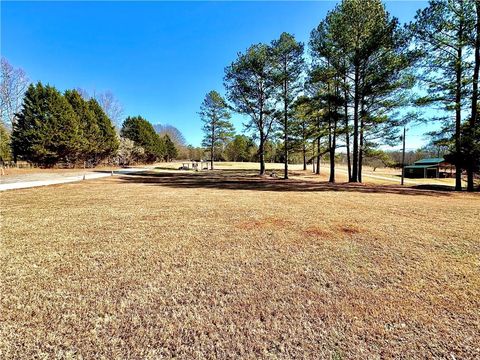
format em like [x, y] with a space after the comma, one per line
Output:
[249, 180]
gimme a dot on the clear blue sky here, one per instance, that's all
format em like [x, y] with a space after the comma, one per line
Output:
[158, 58]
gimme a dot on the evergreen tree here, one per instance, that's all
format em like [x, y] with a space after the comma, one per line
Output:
[142, 133]
[240, 148]
[368, 57]
[171, 151]
[89, 132]
[108, 140]
[443, 32]
[472, 134]
[216, 125]
[303, 127]
[250, 87]
[47, 128]
[287, 69]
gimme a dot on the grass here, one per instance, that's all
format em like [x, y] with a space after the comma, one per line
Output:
[225, 264]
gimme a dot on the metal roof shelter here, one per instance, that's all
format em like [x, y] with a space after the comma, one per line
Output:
[425, 168]
[429, 161]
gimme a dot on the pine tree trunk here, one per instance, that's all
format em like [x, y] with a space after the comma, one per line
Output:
[304, 156]
[317, 170]
[212, 147]
[347, 129]
[473, 119]
[362, 128]
[355, 126]
[261, 151]
[458, 109]
[285, 125]
[330, 138]
[333, 144]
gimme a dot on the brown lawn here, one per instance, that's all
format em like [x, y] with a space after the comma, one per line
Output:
[228, 265]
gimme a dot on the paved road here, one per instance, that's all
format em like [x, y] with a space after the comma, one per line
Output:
[44, 179]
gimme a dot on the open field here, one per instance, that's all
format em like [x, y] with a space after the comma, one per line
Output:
[383, 176]
[225, 264]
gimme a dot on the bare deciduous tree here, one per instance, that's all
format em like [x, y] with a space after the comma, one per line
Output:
[14, 83]
[112, 107]
[175, 135]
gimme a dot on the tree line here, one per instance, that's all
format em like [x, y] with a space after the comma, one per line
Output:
[366, 79]
[47, 128]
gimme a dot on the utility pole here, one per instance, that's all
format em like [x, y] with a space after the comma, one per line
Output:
[403, 155]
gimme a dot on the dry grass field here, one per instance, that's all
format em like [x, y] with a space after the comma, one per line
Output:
[224, 264]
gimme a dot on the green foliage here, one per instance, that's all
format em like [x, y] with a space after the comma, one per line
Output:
[217, 127]
[5, 151]
[288, 65]
[108, 141]
[89, 132]
[444, 33]
[241, 148]
[47, 129]
[143, 134]
[361, 57]
[251, 87]
[171, 151]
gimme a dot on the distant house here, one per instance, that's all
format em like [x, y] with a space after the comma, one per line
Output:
[428, 168]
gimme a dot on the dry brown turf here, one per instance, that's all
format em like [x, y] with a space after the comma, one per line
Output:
[228, 265]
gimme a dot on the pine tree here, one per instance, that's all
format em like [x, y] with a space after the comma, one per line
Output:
[288, 65]
[217, 128]
[367, 56]
[250, 87]
[47, 129]
[443, 32]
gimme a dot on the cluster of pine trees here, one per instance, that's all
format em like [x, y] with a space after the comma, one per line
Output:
[53, 127]
[360, 86]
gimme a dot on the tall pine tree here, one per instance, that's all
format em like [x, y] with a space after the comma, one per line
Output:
[443, 32]
[217, 127]
[250, 87]
[288, 65]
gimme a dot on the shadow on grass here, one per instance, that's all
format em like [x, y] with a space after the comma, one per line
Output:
[249, 180]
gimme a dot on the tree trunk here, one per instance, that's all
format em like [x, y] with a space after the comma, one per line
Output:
[362, 128]
[333, 144]
[458, 109]
[212, 147]
[356, 101]
[304, 149]
[211, 158]
[261, 153]
[285, 125]
[317, 170]
[472, 161]
[330, 137]
[347, 129]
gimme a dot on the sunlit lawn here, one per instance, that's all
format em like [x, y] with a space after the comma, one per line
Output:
[225, 264]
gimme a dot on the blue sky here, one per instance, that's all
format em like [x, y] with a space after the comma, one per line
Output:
[158, 58]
